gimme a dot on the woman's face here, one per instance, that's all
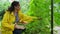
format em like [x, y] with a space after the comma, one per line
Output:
[17, 7]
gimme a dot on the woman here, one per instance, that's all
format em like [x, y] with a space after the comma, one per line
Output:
[12, 17]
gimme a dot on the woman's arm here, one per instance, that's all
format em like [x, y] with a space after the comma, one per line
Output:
[26, 19]
[36, 18]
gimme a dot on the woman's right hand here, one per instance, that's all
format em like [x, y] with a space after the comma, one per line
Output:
[19, 27]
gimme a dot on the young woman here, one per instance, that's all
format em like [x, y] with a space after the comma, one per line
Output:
[12, 17]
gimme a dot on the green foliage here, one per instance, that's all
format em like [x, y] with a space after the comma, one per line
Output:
[56, 12]
[3, 6]
[39, 9]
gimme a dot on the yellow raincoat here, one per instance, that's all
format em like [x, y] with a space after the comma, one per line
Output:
[8, 19]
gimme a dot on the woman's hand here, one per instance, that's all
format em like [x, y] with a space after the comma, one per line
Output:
[19, 27]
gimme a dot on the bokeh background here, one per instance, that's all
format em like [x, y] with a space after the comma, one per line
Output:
[38, 8]
[56, 16]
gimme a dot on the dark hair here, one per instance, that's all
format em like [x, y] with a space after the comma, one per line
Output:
[11, 8]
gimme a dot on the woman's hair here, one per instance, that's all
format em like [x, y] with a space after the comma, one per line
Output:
[11, 8]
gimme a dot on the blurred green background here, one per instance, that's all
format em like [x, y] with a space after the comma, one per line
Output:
[56, 16]
[56, 12]
[38, 8]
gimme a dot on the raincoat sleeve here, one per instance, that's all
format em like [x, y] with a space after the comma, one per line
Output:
[26, 18]
[6, 23]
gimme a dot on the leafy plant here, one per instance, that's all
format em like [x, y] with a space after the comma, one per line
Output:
[39, 9]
